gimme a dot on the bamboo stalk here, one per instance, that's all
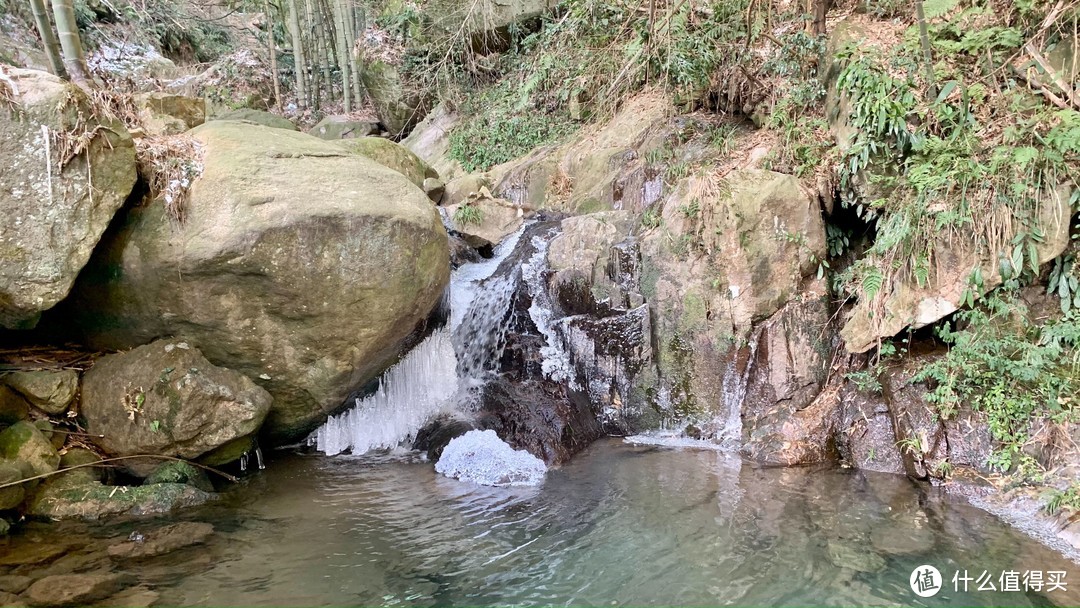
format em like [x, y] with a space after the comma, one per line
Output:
[70, 44]
[48, 37]
[298, 54]
[272, 43]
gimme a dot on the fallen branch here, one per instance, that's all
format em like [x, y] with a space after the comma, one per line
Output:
[231, 478]
[1054, 76]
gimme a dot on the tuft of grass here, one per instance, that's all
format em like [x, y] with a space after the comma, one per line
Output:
[468, 214]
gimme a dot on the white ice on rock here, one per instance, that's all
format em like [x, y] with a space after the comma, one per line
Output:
[481, 457]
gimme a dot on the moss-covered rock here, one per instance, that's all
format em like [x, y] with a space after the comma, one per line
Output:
[393, 156]
[12, 496]
[51, 391]
[399, 103]
[301, 265]
[180, 472]
[23, 442]
[13, 407]
[71, 499]
[165, 398]
[53, 215]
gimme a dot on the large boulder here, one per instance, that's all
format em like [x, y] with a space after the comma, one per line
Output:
[259, 117]
[430, 140]
[55, 209]
[299, 264]
[165, 398]
[485, 222]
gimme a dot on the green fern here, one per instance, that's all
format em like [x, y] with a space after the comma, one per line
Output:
[938, 8]
[872, 281]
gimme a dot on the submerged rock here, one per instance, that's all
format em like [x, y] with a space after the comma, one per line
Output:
[481, 457]
[165, 398]
[299, 264]
[49, 391]
[55, 209]
[73, 589]
[162, 540]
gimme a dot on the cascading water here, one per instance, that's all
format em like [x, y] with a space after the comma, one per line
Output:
[432, 377]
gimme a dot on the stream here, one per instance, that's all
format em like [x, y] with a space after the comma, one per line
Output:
[619, 525]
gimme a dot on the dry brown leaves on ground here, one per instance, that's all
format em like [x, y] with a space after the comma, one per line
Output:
[169, 164]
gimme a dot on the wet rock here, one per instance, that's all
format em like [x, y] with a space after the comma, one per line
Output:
[24, 442]
[710, 275]
[33, 553]
[258, 117]
[133, 597]
[269, 202]
[433, 438]
[73, 589]
[93, 500]
[786, 420]
[13, 407]
[867, 440]
[180, 472]
[14, 583]
[583, 252]
[166, 398]
[343, 127]
[89, 559]
[854, 556]
[53, 218]
[163, 113]
[906, 534]
[392, 156]
[162, 540]
[492, 221]
[49, 391]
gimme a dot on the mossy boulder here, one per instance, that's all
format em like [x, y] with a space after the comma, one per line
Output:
[81, 458]
[393, 156]
[23, 442]
[166, 399]
[72, 499]
[11, 496]
[301, 265]
[343, 127]
[259, 117]
[180, 472]
[55, 210]
[51, 391]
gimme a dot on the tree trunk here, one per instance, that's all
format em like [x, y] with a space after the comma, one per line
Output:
[354, 23]
[272, 44]
[928, 58]
[66, 27]
[325, 35]
[300, 66]
[343, 54]
[48, 37]
[821, 9]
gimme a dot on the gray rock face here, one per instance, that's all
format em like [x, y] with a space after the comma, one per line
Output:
[300, 264]
[342, 127]
[55, 209]
[166, 398]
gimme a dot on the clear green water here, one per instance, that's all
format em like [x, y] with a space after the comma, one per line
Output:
[620, 525]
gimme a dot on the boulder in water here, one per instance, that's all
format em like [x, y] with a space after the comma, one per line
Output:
[166, 398]
[481, 457]
[299, 264]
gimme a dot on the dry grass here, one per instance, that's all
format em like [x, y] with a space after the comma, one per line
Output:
[169, 165]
